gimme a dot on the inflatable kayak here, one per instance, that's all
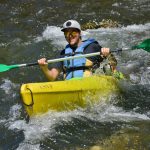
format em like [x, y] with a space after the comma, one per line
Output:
[66, 95]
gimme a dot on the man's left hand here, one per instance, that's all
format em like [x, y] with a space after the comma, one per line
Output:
[105, 51]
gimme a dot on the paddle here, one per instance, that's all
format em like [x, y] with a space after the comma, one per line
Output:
[145, 45]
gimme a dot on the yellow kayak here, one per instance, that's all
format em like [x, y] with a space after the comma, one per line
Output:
[66, 95]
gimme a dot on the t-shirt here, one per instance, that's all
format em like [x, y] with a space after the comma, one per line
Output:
[91, 48]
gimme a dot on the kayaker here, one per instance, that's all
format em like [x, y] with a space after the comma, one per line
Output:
[82, 67]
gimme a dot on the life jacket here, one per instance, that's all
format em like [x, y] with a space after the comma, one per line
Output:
[76, 67]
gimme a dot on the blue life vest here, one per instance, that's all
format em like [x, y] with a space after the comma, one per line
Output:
[74, 67]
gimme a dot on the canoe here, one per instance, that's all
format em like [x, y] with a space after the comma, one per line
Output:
[66, 95]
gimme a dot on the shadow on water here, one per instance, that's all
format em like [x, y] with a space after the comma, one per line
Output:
[10, 139]
[81, 133]
[90, 135]
[135, 97]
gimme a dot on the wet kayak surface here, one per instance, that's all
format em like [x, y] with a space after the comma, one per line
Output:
[30, 30]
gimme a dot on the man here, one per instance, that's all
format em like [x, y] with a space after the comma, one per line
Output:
[82, 67]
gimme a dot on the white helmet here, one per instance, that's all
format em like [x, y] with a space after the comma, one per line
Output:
[71, 24]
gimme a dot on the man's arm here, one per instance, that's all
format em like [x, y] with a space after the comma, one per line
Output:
[51, 74]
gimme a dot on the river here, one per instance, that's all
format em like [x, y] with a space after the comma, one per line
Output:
[29, 30]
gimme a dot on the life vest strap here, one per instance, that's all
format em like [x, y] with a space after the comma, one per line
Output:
[71, 69]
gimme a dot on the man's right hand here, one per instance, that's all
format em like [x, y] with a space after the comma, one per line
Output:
[42, 61]
[51, 74]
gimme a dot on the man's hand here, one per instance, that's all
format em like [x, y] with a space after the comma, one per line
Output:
[42, 62]
[51, 74]
[105, 51]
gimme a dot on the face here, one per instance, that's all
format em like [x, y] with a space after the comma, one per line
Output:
[72, 36]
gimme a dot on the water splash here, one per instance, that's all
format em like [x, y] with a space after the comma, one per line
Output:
[7, 86]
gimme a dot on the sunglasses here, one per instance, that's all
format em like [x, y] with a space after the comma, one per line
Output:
[72, 33]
